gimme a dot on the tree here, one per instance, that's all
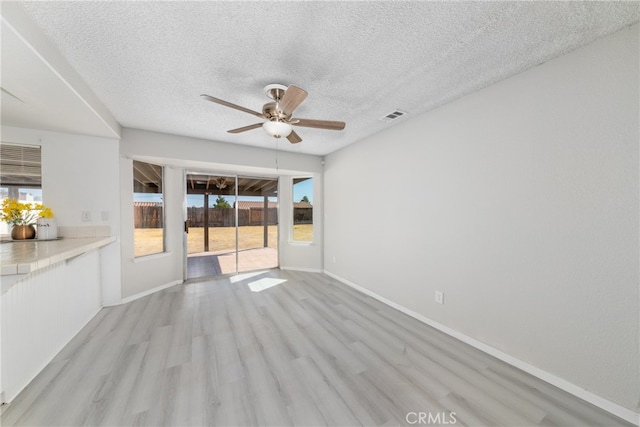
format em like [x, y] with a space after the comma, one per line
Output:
[221, 202]
[305, 199]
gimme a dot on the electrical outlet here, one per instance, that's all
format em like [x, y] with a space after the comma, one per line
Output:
[439, 297]
[86, 216]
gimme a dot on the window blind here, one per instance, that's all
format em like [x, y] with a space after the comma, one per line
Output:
[20, 166]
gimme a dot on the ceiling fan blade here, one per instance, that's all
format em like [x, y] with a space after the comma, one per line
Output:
[319, 124]
[293, 137]
[230, 105]
[246, 128]
[293, 97]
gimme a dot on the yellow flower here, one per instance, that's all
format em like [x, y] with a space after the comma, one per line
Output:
[16, 213]
[46, 213]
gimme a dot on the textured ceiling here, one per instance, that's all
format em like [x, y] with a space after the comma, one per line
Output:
[149, 61]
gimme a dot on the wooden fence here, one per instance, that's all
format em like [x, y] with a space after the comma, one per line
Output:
[303, 215]
[147, 216]
[226, 217]
[151, 216]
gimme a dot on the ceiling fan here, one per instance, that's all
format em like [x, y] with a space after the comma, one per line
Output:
[278, 113]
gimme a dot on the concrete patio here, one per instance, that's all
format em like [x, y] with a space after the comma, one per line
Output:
[208, 264]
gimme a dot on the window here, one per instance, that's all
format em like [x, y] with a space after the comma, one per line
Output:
[148, 209]
[302, 209]
[20, 175]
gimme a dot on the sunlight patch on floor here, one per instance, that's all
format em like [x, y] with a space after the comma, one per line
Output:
[265, 283]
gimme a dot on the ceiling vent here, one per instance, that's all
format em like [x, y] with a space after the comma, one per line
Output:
[393, 116]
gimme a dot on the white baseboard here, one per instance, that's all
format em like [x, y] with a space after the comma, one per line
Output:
[306, 270]
[594, 399]
[147, 292]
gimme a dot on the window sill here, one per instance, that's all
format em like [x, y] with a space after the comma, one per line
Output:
[294, 243]
[151, 257]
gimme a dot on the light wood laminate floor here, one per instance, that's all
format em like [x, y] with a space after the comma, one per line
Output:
[280, 348]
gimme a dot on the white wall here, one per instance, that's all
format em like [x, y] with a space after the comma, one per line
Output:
[80, 173]
[520, 202]
[140, 275]
[179, 153]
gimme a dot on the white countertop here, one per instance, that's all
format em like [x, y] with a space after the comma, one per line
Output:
[25, 256]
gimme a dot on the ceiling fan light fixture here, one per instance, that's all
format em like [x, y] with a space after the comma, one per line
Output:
[221, 183]
[277, 129]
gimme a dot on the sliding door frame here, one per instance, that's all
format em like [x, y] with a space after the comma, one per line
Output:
[236, 177]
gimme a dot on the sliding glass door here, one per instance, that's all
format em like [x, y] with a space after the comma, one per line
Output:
[211, 225]
[232, 224]
[257, 223]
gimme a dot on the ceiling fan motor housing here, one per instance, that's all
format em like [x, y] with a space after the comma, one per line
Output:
[271, 112]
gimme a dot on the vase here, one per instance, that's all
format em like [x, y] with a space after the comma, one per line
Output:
[23, 232]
